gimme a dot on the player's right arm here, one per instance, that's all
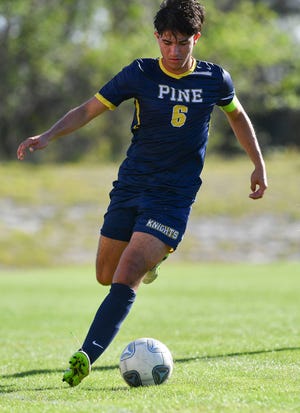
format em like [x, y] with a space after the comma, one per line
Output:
[70, 122]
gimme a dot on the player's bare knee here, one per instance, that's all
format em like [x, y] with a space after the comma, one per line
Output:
[103, 278]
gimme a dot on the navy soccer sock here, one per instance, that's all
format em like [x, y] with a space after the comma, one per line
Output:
[108, 320]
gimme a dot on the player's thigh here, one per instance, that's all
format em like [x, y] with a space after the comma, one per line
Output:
[141, 254]
[108, 256]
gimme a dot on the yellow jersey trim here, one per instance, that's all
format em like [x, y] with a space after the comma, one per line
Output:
[173, 74]
[138, 110]
[105, 102]
[231, 106]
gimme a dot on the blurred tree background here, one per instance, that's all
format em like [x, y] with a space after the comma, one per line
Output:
[56, 54]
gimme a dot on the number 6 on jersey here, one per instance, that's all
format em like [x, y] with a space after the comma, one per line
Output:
[178, 116]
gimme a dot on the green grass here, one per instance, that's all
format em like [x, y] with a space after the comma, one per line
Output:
[225, 189]
[226, 185]
[55, 210]
[233, 331]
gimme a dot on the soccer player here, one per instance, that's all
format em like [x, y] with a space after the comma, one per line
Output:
[158, 181]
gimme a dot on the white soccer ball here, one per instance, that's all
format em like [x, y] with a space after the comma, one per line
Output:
[145, 362]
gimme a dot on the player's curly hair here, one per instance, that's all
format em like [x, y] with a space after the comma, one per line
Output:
[180, 16]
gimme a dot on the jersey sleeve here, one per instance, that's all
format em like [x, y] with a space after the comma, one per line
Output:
[227, 93]
[121, 87]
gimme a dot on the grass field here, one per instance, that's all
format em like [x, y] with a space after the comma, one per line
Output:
[233, 330]
[226, 185]
[50, 214]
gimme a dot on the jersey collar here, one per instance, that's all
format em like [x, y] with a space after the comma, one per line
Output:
[173, 74]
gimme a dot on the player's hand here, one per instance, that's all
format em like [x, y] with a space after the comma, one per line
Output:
[32, 144]
[258, 183]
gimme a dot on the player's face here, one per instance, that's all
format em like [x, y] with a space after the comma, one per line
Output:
[176, 51]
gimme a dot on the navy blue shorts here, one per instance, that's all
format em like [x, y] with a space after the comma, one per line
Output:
[161, 213]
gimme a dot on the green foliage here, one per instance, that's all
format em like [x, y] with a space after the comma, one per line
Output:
[42, 65]
[54, 55]
[247, 39]
[260, 56]
[232, 329]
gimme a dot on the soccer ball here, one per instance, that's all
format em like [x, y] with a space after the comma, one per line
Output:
[146, 361]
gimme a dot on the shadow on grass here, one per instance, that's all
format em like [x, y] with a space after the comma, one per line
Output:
[178, 360]
[237, 354]
[50, 371]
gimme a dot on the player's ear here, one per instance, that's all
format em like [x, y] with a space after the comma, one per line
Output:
[197, 37]
[156, 34]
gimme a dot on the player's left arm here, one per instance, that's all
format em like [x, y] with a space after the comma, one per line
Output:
[245, 134]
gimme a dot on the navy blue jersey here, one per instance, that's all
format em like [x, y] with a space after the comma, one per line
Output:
[170, 123]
